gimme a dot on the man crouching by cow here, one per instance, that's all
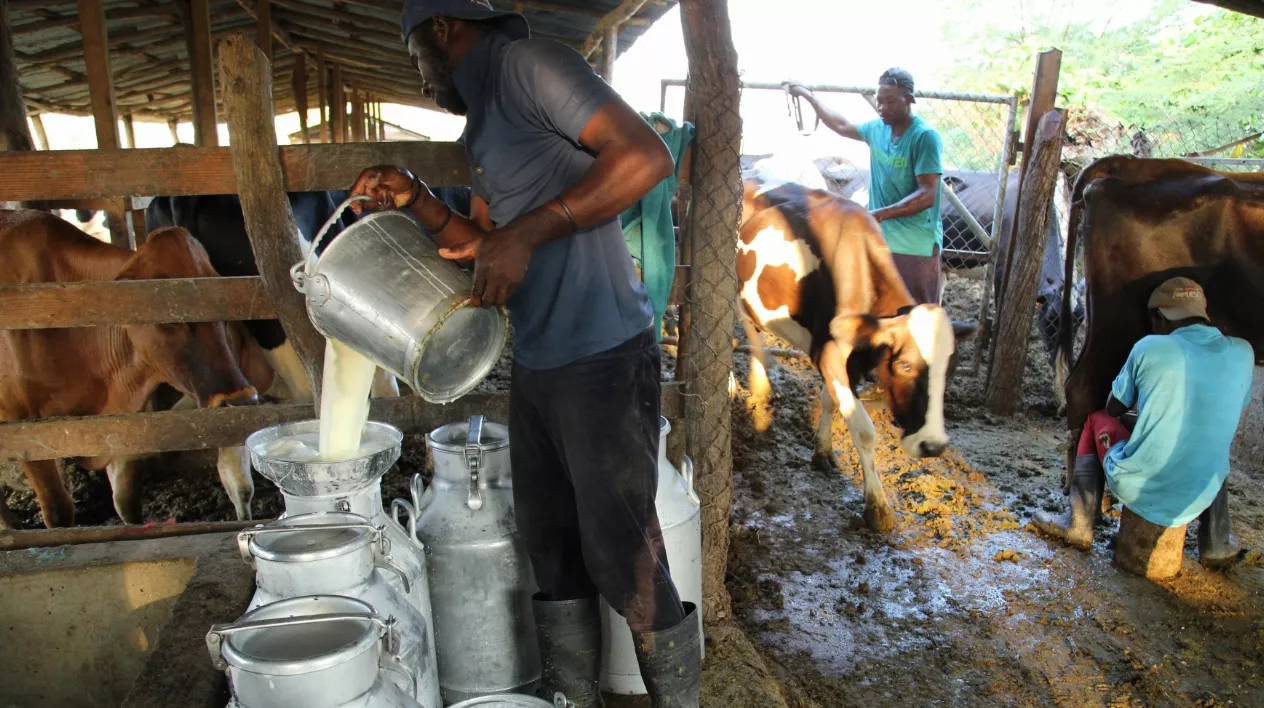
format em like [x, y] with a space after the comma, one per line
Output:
[113, 369]
[1189, 385]
[813, 269]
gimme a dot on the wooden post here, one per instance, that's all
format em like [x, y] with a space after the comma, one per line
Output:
[129, 130]
[714, 83]
[198, 39]
[274, 237]
[338, 106]
[263, 27]
[172, 125]
[96, 56]
[357, 117]
[609, 53]
[1044, 94]
[14, 132]
[322, 89]
[300, 94]
[1015, 313]
[381, 124]
[41, 135]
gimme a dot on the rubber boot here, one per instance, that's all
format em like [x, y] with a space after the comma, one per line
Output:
[1075, 528]
[1217, 549]
[569, 635]
[671, 662]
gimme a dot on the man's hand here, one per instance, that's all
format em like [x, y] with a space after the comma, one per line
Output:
[387, 186]
[798, 90]
[500, 264]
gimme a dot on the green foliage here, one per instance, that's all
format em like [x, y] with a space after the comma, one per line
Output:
[1191, 76]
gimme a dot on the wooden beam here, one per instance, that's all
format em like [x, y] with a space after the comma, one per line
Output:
[274, 237]
[96, 55]
[208, 428]
[95, 303]
[175, 134]
[202, 73]
[609, 53]
[79, 174]
[278, 33]
[338, 106]
[41, 135]
[14, 132]
[263, 22]
[357, 117]
[298, 79]
[614, 18]
[129, 130]
[322, 88]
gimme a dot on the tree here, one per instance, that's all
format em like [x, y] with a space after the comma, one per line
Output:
[1186, 75]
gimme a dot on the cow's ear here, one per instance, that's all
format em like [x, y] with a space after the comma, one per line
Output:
[903, 310]
[859, 332]
[962, 331]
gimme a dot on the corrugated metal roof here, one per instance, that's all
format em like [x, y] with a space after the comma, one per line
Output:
[151, 67]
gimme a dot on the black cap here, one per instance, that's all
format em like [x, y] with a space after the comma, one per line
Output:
[418, 11]
[896, 76]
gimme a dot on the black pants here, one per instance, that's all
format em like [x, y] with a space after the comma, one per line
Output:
[584, 449]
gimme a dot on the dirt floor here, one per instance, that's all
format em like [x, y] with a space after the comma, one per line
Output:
[960, 605]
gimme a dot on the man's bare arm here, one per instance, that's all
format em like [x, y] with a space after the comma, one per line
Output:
[920, 200]
[831, 118]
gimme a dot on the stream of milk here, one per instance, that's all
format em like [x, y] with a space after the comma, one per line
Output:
[344, 400]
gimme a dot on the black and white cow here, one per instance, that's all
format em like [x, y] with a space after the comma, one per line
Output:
[813, 269]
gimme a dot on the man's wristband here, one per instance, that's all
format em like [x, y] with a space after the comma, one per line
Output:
[444, 225]
[417, 187]
[569, 214]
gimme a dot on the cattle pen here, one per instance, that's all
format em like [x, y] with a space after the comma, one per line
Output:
[803, 605]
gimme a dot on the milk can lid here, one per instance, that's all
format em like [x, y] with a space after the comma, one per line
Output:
[302, 648]
[453, 436]
[307, 545]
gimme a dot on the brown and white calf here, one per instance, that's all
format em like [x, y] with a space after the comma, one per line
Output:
[814, 270]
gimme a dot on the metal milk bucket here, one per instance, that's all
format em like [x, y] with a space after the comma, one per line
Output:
[513, 700]
[382, 288]
[352, 486]
[320, 651]
[336, 554]
[481, 576]
[678, 506]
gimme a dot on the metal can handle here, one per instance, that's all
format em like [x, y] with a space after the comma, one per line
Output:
[410, 511]
[384, 562]
[215, 637]
[391, 662]
[245, 537]
[474, 461]
[686, 472]
[302, 270]
[561, 701]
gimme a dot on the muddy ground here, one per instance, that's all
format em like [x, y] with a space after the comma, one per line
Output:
[958, 606]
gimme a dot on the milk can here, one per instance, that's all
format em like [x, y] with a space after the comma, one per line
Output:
[332, 553]
[514, 700]
[351, 486]
[678, 516]
[433, 339]
[321, 651]
[481, 577]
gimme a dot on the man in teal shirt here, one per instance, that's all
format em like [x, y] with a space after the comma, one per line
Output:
[905, 164]
[1188, 384]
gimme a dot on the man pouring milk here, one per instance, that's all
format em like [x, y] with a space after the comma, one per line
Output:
[555, 156]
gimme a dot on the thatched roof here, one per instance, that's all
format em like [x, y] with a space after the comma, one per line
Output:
[151, 65]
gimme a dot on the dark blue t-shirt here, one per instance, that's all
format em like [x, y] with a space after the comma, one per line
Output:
[529, 100]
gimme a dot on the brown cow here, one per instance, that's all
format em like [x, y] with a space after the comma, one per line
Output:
[1144, 221]
[813, 269]
[104, 370]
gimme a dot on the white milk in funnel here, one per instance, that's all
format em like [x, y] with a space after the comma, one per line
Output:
[344, 400]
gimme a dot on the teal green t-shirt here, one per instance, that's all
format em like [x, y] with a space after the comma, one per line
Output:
[1189, 389]
[893, 169]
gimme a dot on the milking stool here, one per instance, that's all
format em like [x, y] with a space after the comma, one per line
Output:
[1147, 549]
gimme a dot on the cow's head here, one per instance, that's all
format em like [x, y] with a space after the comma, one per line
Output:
[199, 359]
[912, 355]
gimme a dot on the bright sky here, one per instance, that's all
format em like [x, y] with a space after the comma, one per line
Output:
[814, 41]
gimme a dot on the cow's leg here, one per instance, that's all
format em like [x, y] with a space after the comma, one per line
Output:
[56, 504]
[286, 363]
[122, 471]
[823, 455]
[878, 513]
[234, 473]
[759, 387]
[384, 384]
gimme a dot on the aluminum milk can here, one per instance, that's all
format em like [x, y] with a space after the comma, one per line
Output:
[351, 486]
[332, 553]
[433, 339]
[678, 516]
[321, 651]
[481, 579]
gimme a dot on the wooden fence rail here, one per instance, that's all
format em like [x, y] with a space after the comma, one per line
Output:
[131, 302]
[166, 431]
[90, 174]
